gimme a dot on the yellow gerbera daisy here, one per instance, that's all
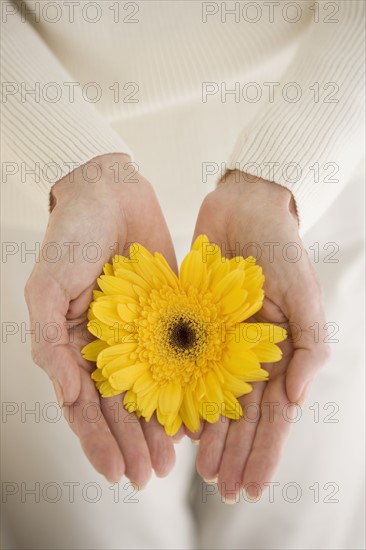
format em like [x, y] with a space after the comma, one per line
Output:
[179, 346]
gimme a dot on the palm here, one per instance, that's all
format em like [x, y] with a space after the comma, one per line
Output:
[142, 445]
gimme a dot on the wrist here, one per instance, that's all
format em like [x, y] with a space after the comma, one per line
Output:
[100, 175]
[260, 192]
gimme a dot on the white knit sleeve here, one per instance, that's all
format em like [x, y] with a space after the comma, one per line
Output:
[310, 137]
[48, 128]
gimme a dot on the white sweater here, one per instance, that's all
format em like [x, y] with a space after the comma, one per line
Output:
[285, 78]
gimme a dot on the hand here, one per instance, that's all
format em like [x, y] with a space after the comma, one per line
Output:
[87, 223]
[244, 454]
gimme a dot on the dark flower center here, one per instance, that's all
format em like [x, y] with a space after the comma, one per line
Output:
[182, 335]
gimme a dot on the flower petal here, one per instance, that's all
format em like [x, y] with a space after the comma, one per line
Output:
[146, 268]
[235, 386]
[114, 285]
[193, 272]
[128, 312]
[144, 384]
[239, 362]
[173, 425]
[210, 252]
[112, 352]
[266, 331]
[108, 269]
[232, 408]
[217, 271]
[148, 403]
[238, 262]
[133, 279]
[125, 378]
[267, 352]
[200, 242]
[232, 282]
[107, 390]
[122, 262]
[106, 312]
[171, 278]
[213, 388]
[121, 362]
[98, 376]
[130, 402]
[170, 398]
[91, 351]
[200, 389]
[189, 411]
[233, 302]
[103, 331]
[245, 373]
[116, 299]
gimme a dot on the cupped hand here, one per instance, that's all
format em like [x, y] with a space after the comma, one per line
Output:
[97, 210]
[258, 218]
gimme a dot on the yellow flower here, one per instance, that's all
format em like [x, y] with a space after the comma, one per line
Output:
[179, 347]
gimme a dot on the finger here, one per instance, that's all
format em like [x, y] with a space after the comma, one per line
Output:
[239, 443]
[272, 432]
[177, 437]
[88, 423]
[302, 370]
[160, 445]
[195, 436]
[211, 447]
[64, 372]
[80, 305]
[128, 433]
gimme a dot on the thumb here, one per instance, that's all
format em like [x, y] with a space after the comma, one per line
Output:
[64, 373]
[307, 322]
[51, 340]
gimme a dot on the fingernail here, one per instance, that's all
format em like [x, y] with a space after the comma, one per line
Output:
[292, 411]
[252, 498]
[298, 394]
[214, 480]
[58, 392]
[229, 500]
[304, 394]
